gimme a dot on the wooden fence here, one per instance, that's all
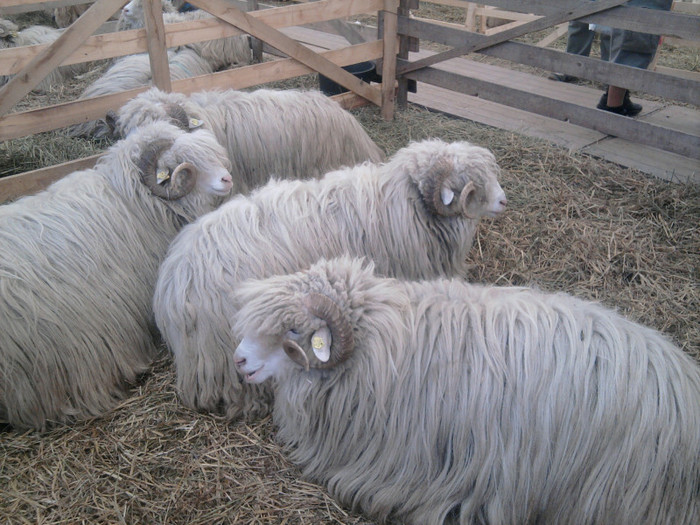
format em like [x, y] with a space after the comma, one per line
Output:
[399, 33]
[78, 44]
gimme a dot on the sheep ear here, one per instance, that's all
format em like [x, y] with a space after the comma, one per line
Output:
[194, 123]
[469, 202]
[437, 196]
[111, 120]
[447, 195]
[295, 353]
[321, 344]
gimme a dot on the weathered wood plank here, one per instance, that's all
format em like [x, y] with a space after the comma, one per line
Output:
[570, 136]
[608, 123]
[61, 115]
[290, 47]
[54, 55]
[16, 7]
[541, 23]
[668, 86]
[624, 17]
[662, 164]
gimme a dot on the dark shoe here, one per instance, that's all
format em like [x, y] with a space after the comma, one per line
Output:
[626, 109]
[561, 77]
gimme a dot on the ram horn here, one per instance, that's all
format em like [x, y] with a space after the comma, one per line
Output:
[179, 183]
[342, 339]
[178, 116]
[296, 353]
[433, 191]
[467, 201]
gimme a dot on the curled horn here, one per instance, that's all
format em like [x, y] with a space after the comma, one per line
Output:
[466, 202]
[178, 115]
[296, 353]
[342, 339]
[433, 187]
[182, 179]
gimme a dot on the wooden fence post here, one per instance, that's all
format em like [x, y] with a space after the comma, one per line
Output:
[389, 58]
[157, 50]
[256, 44]
[406, 44]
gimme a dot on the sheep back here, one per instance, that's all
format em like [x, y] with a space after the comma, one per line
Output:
[281, 133]
[72, 346]
[79, 265]
[483, 404]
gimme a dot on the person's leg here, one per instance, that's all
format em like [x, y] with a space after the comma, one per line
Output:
[579, 39]
[633, 49]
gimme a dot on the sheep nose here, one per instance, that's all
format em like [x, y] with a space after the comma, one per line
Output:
[226, 178]
[503, 202]
[239, 362]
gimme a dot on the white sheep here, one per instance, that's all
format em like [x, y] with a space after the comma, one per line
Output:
[289, 133]
[65, 16]
[11, 36]
[131, 72]
[443, 402]
[78, 267]
[415, 216]
[220, 53]
[131, 15]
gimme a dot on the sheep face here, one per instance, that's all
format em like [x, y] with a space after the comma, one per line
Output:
[8, 32]
[199, 149]
[131, 16]
[455, 179]
[306, 325]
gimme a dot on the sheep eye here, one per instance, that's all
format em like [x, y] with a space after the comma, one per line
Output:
[292, 333]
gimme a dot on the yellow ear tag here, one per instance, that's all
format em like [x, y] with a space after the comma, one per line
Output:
[317, 342]
[162, 176]
[14, 34]
[195, 123]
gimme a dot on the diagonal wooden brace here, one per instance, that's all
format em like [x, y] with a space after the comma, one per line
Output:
[289, 46]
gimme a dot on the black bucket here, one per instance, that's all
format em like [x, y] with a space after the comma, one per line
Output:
[366, 71]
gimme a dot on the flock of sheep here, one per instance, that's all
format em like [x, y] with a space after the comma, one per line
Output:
[290, 268]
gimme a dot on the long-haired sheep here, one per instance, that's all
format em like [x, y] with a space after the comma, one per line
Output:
[439, 401]
[220, 53]
[134, 71]
[289, 133]
[65, 16]
[11, 36]
[78, 267]
[415, 216]
[131, 15]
